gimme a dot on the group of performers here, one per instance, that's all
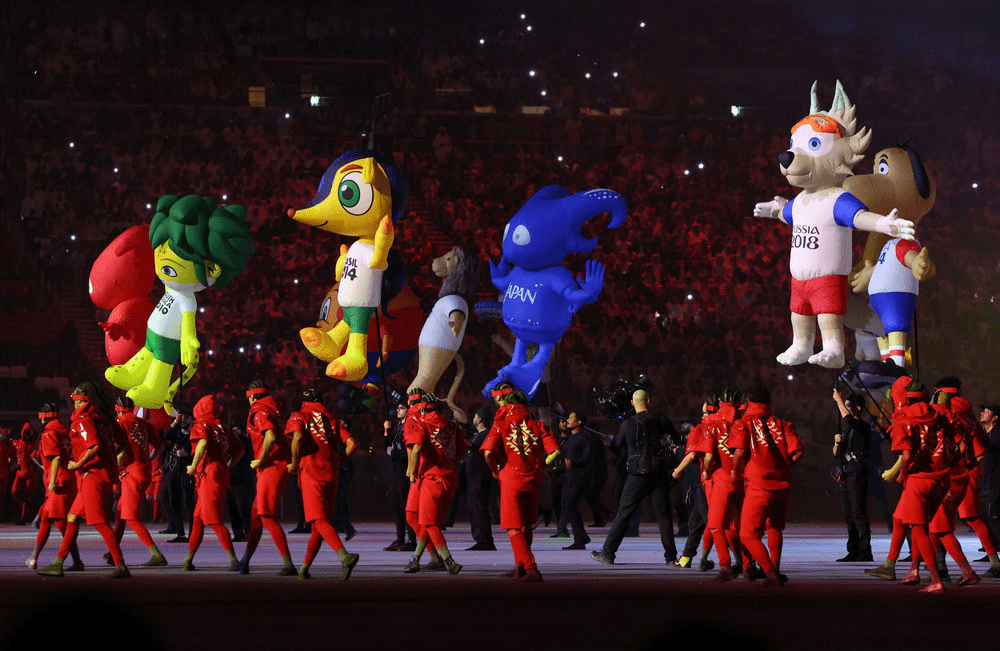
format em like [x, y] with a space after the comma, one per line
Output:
[745, 455]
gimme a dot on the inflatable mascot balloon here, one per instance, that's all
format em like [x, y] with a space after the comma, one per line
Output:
[120, 280]
[195, 246]
[444, 329]
[360, 195]
[892, 269]
[825, 145]
[540, 294]
[399, 319]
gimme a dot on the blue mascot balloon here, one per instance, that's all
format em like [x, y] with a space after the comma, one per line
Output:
[540, 294]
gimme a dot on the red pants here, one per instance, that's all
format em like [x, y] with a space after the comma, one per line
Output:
[436, 493]
[133, 490]
[271, 484]
[920, 500]
[944, 517]
[92, 499]
[211, 503]
[763, 509]
[318, 497]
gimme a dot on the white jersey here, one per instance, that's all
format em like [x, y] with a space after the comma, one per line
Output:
[890, 274]
[165, 319]
[436, 332]
[360, 286]
[821, 232]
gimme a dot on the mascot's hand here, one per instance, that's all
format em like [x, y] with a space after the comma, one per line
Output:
[921, 265]
[770, 209]
[383, 242]
[499, 270]
[594, 281]
[893, 226]
[189, 353]
[859, 279]
[339, 269]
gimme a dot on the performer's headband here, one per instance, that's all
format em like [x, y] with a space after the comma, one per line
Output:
[916, 394]
[48, 414]
[415, 398]
[498, 393]
[952, 390]
[79, 397]
[122, 410]
[259, 391]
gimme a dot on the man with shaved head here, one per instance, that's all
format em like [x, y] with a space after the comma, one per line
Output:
[649, 464]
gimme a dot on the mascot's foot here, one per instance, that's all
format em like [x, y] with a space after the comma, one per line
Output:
[828, 359]
[147, 396]
[120, 377]
[347, 368]
[526, 378]
[320, 344]
[795, 355]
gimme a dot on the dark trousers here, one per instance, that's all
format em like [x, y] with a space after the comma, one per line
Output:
[478, 478]
[399, 490]
[557, 485]
[697, 509]
[655, 486]
[240, 500]
[576, 485]
[853, 488]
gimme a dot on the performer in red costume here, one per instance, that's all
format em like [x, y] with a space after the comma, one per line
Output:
[92, 435]
[766, 447]
[434, 446]
[316, 435]
[26, 478]
[962, 418]
[725, 495]
[528, 446]
[942, 526]
[135, 471]
[695, 442]
[271, 457]
[60, 484]
[926, 450]
[216, 451]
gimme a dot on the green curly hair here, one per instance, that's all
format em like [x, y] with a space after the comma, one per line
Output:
[198, 231]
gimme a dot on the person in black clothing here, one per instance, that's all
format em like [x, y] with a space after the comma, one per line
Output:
[242, 487]
[598, 477]
[399, 484]
[177, 488]
[692, 494]
[478, 480]
[989, 487]
[578, 453]
[850, 447]
[556, 472]
[645, 435]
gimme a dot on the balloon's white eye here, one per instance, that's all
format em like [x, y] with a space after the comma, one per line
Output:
[355, 195]
[521, 237]
[168, 271]
[883, 168]
[324, 311]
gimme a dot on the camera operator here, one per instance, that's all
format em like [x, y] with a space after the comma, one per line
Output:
[646, 436]
[850, 447]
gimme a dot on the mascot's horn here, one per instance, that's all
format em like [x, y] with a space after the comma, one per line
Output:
[583, 206]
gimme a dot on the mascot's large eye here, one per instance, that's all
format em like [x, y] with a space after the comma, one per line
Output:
[815, 144]
[521, 237]
[883, 168]
[324, 310]
[354, 194]
[168, 271]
